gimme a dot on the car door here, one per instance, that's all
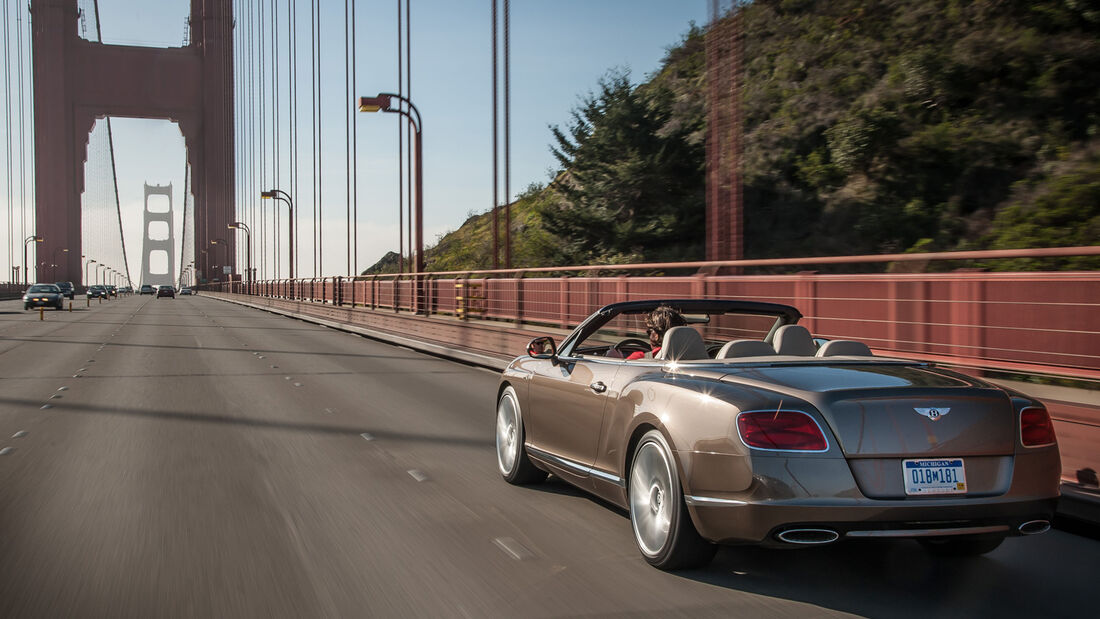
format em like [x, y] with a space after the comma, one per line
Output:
[567, 399]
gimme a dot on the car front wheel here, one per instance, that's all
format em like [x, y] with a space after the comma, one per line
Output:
[512, 461]
[662, 526]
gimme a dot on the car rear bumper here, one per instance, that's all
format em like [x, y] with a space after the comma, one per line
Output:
[821, 494]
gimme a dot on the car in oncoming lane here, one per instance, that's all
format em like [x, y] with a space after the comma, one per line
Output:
[43, 295]
[166, 291]
[742, 429]
[96, 291]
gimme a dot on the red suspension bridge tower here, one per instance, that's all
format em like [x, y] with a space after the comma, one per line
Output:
[78, 81]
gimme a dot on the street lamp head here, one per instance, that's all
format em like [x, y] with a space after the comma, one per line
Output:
[232, 226]
[267, 195]
[374, 104]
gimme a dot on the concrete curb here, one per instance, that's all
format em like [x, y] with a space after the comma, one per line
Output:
[454, 354]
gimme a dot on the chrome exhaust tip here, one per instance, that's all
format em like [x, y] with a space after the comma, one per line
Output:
[808, 537]
[1034, 527]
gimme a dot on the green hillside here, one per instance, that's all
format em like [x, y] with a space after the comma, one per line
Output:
[870, 127]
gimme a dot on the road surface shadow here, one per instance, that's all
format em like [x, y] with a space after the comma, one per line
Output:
[898, 578]
[68, 406]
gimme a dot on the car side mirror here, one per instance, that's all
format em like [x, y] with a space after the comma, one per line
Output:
[542, 348]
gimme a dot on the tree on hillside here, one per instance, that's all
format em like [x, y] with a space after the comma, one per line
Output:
[632, 180]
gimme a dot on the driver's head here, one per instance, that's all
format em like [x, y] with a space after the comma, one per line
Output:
[660, 321]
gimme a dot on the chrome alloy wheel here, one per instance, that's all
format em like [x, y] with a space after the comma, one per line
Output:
[652, 498]
[508, 433]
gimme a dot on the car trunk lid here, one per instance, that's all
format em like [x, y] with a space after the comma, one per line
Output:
[897, 410]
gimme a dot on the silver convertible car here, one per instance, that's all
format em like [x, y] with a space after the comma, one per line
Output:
[744, 429]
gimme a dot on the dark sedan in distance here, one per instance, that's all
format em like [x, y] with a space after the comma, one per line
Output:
[66, 289]
[43, 295]
[166, 291]
[96, 291]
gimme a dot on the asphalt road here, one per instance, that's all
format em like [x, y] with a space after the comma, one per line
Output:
[190, 457]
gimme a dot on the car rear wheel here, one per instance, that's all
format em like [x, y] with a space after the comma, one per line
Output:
[967, 546]
[662, 526]
[512, 460]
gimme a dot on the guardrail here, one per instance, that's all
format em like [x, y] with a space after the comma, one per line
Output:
[1022, 322]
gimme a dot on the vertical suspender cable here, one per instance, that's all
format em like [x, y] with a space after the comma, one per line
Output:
[293, 25]
[7, 136]
[413, 260]
[30, 91]
[261, 52]
[22, 122]
[313, 117]
[507, 142]
[275, 122]
[496, 123]
[400, 153]
[354, 155]
[292, 9]
[347, 138]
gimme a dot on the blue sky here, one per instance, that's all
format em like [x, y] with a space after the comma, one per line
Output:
[559, 51]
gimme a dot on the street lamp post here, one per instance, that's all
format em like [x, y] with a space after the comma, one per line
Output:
[279, 194]
[384, 103]
[86, 282]
[36, 239]
[97, 271]
[238, 225]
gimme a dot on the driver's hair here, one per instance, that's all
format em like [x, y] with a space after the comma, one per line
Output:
[662, 319]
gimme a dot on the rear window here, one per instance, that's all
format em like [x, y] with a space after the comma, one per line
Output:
[44, 288]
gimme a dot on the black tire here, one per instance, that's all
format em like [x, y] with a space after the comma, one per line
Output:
[512, 460]
[964, 546]
[655, 494]
[26, 307]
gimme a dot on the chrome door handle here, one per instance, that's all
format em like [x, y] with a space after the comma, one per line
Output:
[598, 387]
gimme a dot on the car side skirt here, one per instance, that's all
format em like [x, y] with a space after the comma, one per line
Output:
[574, 467]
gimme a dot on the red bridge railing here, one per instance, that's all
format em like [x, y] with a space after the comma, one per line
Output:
[1026, 322]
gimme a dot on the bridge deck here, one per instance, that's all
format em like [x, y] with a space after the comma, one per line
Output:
[204, 459]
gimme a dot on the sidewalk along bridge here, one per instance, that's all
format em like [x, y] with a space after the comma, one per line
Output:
[1036, 331]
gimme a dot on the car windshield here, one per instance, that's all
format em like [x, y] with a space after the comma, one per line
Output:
[44, 288]
[715, 328]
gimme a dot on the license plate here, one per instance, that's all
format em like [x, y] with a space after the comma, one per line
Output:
[934, 476]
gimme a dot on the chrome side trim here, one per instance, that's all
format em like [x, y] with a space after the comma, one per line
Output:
[1000, 528]
[576, 467]
[710, 501]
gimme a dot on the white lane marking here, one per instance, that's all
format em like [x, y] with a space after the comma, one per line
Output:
[82, 370]
[260, 357]
[91, 360]
[512, 548]
[255, 353]
[274, 367]
[330, 411]
[7, 450]
[367, 436]
[297, 384]
[287, 377]
[55, 397]
[19, 434]
[45, 406]
[418, 475]
[62, 388]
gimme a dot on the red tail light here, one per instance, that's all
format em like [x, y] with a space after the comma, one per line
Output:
[1036, 428]
[783, 430]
